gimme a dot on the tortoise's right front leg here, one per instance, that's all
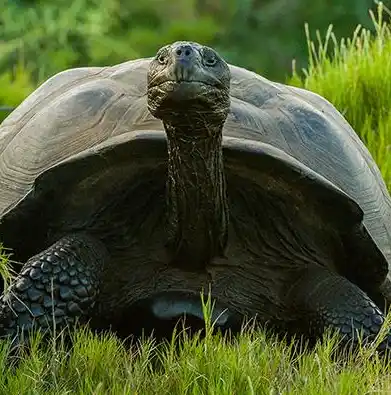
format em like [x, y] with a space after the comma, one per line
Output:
[56, 286]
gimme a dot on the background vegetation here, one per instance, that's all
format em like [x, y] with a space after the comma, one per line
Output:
[354, 74]
[40, 38]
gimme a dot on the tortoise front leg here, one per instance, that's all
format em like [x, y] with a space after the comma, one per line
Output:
[56, 286]
[327, 300]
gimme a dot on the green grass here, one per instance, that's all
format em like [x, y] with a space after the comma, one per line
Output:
[253, 363]
[357, 79]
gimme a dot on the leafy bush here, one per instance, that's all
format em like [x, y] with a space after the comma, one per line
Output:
[93, 32]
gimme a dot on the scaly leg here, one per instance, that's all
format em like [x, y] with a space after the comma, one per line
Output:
[327, 300]
[56, 286]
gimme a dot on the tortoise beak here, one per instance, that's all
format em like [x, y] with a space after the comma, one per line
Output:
[184, 61]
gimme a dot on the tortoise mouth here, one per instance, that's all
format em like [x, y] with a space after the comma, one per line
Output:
[172, 83]
[160, 314]
[169, 98]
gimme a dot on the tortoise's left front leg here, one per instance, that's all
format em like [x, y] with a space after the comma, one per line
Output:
[327, 300]
[55, 287]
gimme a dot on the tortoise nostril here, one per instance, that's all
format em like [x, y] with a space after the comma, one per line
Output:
[184, 52]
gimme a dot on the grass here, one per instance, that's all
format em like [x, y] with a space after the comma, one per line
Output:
[253, 363]
[357, 79]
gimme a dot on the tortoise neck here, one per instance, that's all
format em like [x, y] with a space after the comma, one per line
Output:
[197, 201]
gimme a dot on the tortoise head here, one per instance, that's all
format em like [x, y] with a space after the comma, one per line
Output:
[189, 82]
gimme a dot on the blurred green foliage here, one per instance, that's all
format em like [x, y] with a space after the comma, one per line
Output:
[261, 35]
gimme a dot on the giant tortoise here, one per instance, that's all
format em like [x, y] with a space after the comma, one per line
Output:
[129, 190]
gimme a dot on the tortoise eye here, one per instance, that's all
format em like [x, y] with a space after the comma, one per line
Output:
[162, 59]
[209, 59]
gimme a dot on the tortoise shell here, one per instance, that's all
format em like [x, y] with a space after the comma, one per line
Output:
[60, 150]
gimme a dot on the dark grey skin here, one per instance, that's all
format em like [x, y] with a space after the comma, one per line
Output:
[202, 219]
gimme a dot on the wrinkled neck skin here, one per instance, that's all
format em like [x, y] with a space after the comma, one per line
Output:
[197, 207]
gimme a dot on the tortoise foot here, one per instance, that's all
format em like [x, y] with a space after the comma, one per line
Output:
[55, 288]
[327, 300]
